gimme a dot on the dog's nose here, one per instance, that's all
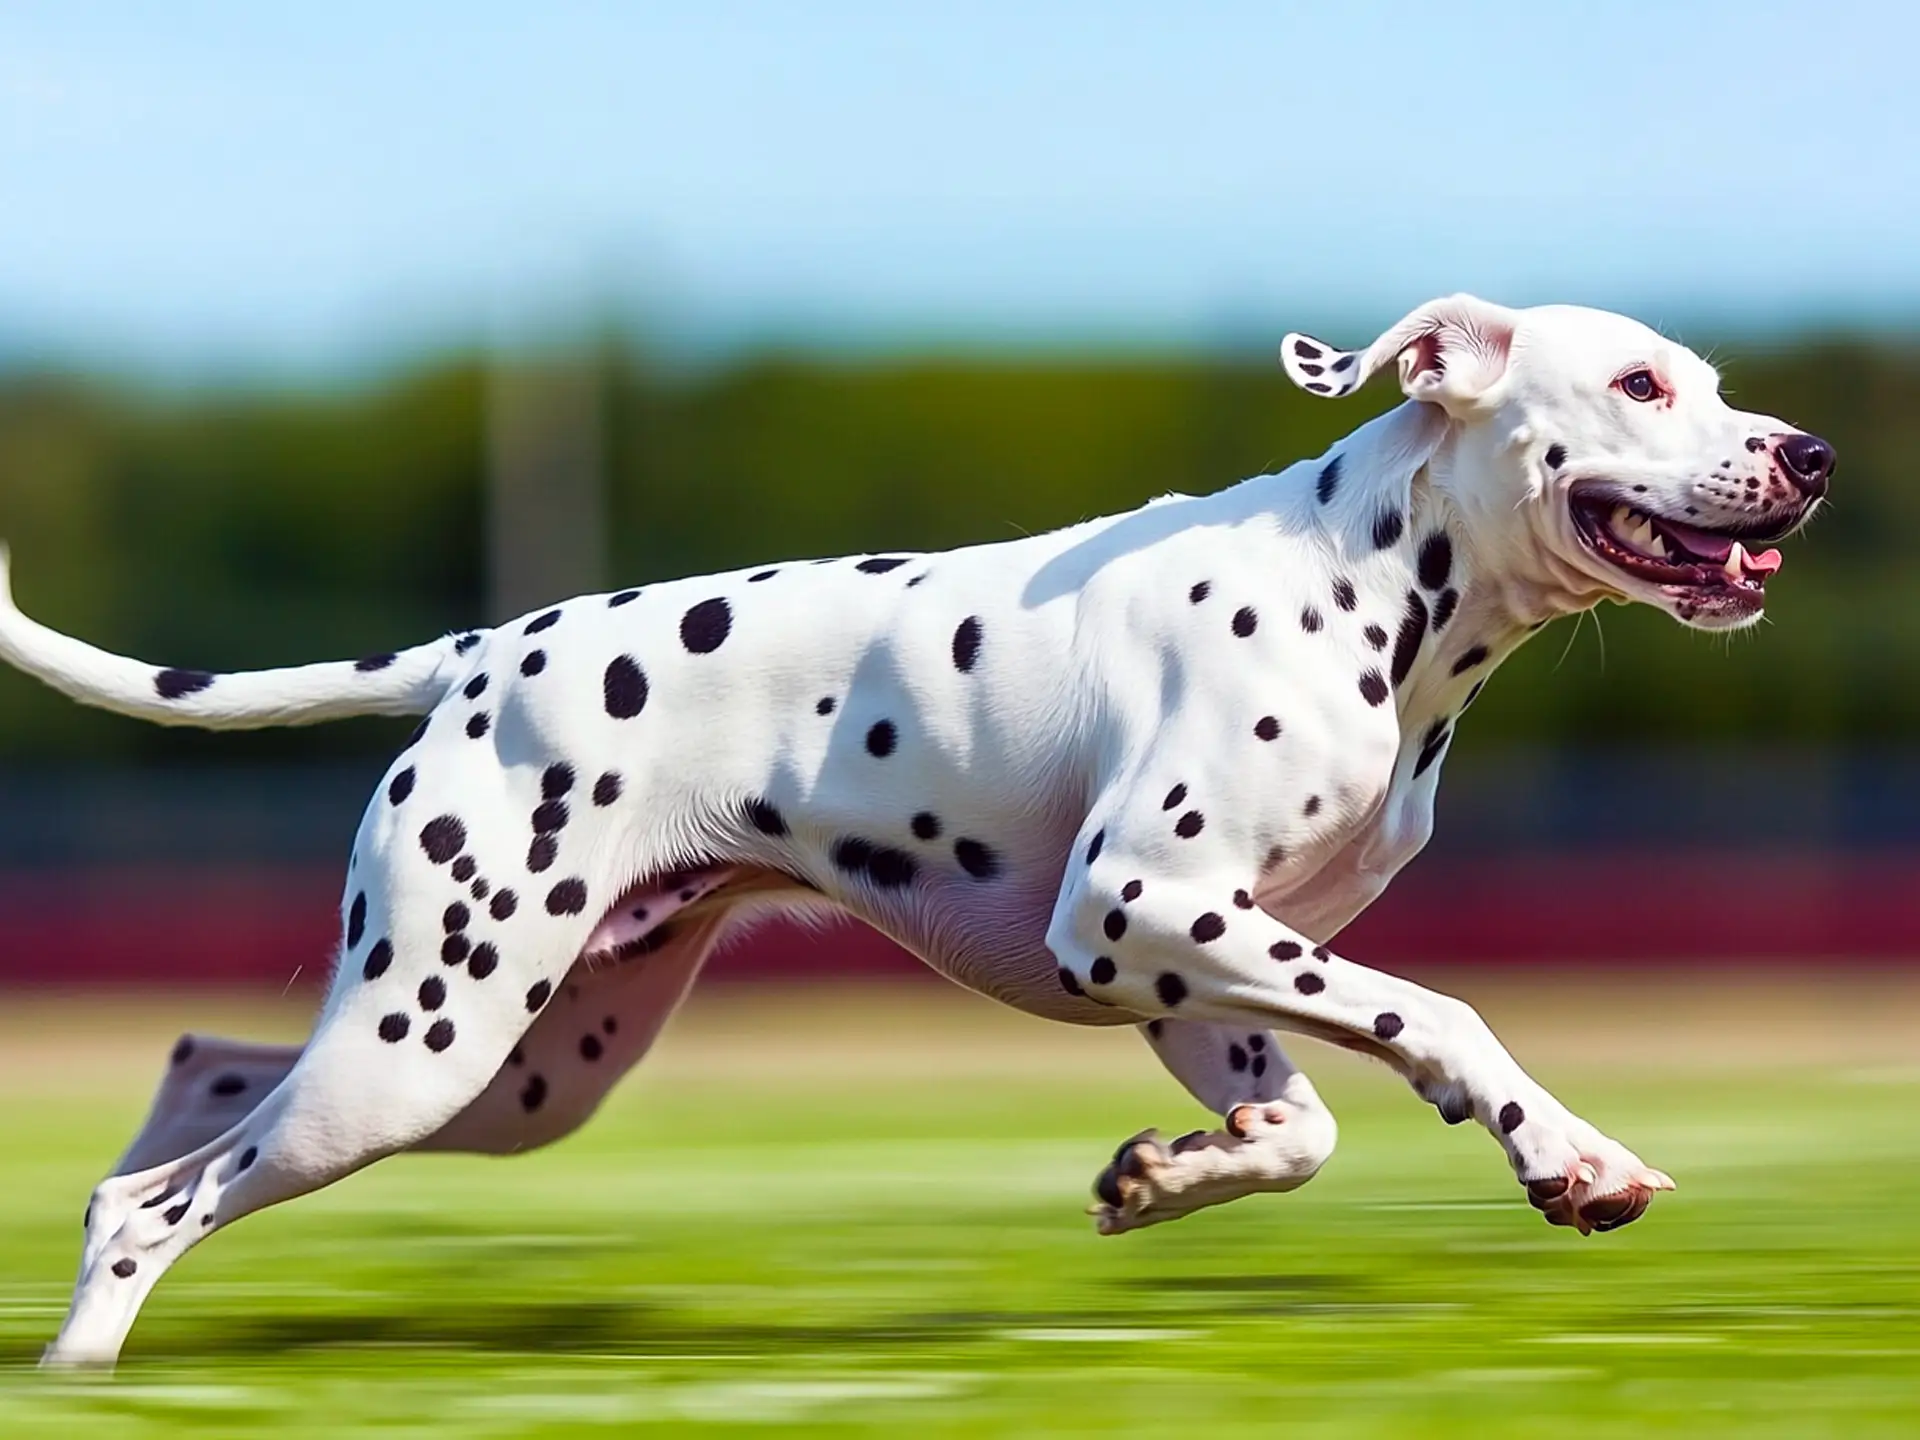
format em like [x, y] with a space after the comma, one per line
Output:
[1808, 461]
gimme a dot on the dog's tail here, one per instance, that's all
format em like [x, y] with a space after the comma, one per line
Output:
[410, 682]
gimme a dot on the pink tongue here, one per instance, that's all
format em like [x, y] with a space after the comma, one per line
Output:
[1705, 544]
[1764, 563]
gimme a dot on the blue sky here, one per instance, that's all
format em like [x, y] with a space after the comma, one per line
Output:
[185, 186]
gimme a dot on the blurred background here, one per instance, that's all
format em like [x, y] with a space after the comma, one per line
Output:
[323, 331]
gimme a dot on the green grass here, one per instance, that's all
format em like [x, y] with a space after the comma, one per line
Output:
[884, 1248]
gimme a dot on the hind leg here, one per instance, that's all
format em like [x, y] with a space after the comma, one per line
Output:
[602, 1023]
[1277, 1133]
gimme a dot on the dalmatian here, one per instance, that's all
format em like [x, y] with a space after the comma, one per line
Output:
[1138, 771]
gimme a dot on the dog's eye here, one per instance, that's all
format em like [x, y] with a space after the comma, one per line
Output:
[1639, 385]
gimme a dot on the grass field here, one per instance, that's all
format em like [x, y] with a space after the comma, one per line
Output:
[836, 1213]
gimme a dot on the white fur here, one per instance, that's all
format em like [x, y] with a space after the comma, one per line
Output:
[1240, 701]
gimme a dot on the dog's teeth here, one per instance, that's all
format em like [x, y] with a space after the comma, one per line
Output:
[1736, 566]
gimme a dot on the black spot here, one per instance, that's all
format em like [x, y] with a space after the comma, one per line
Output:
[851, 854]
[1556, 455]
[173, 684]
[543, 622]
[367, 664]
[484, 961]
[503, 905]
[1189, 824]
[1102, 971]
[1386, 1025]
[534, 1093]
[1237, 1057]
[1512, 1117]
[1170, 988]
[182, 1051]
[765, 818]
[542, 853]
[1310, 620]
[1256, 1042]
[590, 1048]
[625, 688]
[356, 920]
[1329, 480]
[704, 628]
[1306, 350]
[1443, 607]
[378, 959]
[1094, 845]
[1284, 950]
[606, 789]
[226, 1085]
[1207, 928]
[550, 816]
[1259, 1066]
[890, 869]
[394, 1028]
[1755, 444]
[533, 662]
[1267, 727]
[537, 996]
[918, 578]
[1200, 591]
[555, 781]
[926, 826]
[627, 597]
[1308, 983]
[480, 888]
[439, 1035]
[419, 733]
[1242, 900]
[1413, 629]
[966, 643]
[433, 993]
[882, 737]
[1375, 637]
[824, 705]
[443, 837]
[1130, 891]
[455, 917]
[1115, 925]
[1343, 594]
[976, 859]
[1431, 744]
[1436, 560]
[1387, 526]
[1069, 982]
[248, 1156]
[1470, 657]
[125, 1268]
[178, 1212]
[610, 1025]
[453, 949]
[477, 725]
[569, 897]
[1154, 1027]
[1322, 954]
[1373, 687]
[880, 564]
[400, 786]
[1174, 797]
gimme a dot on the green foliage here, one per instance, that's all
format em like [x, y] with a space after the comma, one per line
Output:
[245, 529]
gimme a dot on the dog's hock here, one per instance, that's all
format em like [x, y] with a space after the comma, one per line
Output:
[1450, 353]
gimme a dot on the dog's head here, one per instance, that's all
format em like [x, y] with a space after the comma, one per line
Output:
[1593, 455]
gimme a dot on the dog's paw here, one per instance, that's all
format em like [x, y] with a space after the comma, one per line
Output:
[1577, 1177]
[1275, 1145]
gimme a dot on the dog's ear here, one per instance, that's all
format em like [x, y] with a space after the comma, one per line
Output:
[1450, 352]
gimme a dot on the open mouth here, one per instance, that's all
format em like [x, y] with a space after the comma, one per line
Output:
[1714, 567]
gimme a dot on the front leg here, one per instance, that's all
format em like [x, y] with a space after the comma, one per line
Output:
[1188, 945]
[1276, 1137]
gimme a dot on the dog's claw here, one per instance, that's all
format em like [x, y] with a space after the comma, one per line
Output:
[1568, 1199]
